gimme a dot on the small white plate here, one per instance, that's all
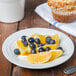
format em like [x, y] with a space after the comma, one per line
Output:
[9, 45]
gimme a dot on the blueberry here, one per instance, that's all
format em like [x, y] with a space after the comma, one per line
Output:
[46, 43]
[41, 44]
[47, 49]
[41, 49]
[33, 51]
[16, 51]
[52, 41]
[23, 38]
[32, 46]
[31, 40]
[60, 48]
[25, 43]
[48, 39]
[37, 41]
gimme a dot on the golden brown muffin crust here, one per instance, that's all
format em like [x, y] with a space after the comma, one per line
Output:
[62, 5]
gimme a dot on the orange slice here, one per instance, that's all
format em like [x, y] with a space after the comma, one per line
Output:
[41, 37]
[39, 58]
[56, 38]
[20, 45]
[52, 46]
[43, 57]
[55, 54]
[23, 50]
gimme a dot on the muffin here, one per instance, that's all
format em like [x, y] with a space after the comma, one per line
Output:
[63, 10]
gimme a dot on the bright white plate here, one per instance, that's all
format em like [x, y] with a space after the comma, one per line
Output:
[9, 45]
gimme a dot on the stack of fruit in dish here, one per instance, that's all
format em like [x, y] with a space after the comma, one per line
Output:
[39, 48]
[63, 10]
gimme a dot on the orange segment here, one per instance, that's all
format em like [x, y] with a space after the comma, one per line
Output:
[41, 37]
[43, 57]
[52, 46]
[55, 54]
[56, 38]
[39, 57]
[26, 51]
[23, 50]
[20, 45]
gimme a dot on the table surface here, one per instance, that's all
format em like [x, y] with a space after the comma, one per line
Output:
[30, 20]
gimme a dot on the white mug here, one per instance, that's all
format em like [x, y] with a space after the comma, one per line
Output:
[11, 10]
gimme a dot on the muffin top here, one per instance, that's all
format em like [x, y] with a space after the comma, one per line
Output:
[67, 1]
[67, 5]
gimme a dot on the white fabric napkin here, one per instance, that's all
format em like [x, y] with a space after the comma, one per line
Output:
[44, 11]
